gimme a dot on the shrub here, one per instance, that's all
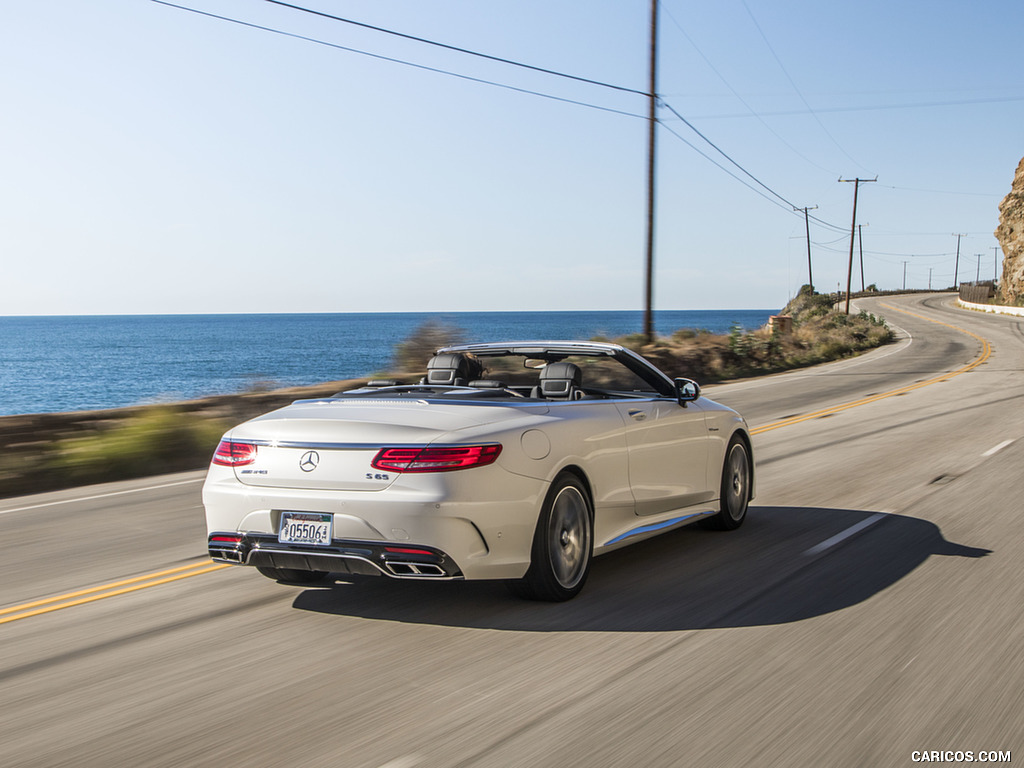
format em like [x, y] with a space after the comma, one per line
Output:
[820, 334]
[157, 441]
[413, 354]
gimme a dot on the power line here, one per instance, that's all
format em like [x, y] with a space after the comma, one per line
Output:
[942, 191]
[722, 152]
[394, 60]
[737, 94]
[788, 206]
[877, 255]
[721, 167]
[772, 196]
[793, 83]
[456, 48]
[868, 108]
[831, 242]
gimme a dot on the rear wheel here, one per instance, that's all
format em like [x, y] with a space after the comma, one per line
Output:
[735, 490]
[563, 544]
[292, 575]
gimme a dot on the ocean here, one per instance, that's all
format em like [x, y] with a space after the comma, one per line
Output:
[66, 363]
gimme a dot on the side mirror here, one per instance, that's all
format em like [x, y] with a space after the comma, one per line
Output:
[687, 390]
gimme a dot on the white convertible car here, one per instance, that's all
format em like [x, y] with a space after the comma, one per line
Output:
[516, 461]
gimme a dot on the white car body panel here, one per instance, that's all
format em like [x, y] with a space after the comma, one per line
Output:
[650, 463]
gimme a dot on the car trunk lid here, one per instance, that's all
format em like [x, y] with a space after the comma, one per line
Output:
[331, 444]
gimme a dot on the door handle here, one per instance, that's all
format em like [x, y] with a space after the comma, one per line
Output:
[637, 414]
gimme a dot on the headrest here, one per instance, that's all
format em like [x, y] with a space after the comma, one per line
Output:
[559, 379]
[450, 368]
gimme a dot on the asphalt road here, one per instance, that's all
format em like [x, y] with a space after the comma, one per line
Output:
[869, 608]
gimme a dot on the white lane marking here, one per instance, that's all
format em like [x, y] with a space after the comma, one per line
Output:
[843, 535]
[102, 495]
[998, 448]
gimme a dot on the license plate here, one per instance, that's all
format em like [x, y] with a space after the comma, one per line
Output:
[305, 528]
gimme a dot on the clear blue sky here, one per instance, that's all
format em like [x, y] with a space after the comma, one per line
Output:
[160, 161]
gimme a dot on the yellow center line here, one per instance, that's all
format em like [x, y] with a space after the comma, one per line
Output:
[59, 602]
[986, 352]
[103, 587]
[113, 589]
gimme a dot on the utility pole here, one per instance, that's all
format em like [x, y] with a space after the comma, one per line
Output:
[930, 277]
[860, 244]
[853, 231]
[977, 275]
[956, 269]
[807, 228]
[995, 263]
[652, 121]
[904, 275]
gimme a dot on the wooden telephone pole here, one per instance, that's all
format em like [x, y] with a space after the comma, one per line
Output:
[860, 246]
[853, 232]
[956, 268]
[807, 228]
[652, 122]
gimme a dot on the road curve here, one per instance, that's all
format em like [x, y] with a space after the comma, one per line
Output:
[868, 609]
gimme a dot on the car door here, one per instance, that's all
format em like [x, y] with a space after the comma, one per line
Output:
[667, 447]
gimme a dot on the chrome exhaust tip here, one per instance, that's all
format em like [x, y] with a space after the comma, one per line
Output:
[405, 568]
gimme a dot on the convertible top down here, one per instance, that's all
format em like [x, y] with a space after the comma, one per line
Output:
[517, 461]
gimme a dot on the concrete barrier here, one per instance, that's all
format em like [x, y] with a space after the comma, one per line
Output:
[997, 309]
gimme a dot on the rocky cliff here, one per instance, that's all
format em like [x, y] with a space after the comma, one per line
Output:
[1010, 234]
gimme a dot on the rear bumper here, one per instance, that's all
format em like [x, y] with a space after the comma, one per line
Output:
[481, 522]
[366, 558]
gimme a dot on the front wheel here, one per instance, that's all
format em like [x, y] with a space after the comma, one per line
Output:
[735, 490]
[563, 544]
[292, 575]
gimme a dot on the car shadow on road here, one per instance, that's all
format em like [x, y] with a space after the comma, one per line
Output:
[771, 571]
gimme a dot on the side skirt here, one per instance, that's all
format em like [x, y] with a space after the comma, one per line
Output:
[650, 528]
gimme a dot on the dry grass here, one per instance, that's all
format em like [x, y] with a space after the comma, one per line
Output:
[819, 335]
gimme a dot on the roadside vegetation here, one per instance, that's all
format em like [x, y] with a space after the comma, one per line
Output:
[47, 452]
[819, 334]
[157, 440]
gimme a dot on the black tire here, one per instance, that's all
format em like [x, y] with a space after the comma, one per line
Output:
[292, 575]
[735, 490]
[563, 544]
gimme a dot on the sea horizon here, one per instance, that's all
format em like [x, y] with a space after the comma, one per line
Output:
[376, 312]
[59, 363]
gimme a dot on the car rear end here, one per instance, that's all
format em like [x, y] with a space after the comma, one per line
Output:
[398, 489]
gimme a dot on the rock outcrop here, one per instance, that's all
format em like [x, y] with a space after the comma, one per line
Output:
[1010, 234]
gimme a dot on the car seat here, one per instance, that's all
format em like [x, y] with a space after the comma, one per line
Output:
[560, 381]
[451, 369]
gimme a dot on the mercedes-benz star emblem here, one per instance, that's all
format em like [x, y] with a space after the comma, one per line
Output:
[309, 461]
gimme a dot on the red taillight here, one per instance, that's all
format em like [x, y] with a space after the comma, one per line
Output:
[232, 454]
[229, 539]
[436, 458]
[409, 551]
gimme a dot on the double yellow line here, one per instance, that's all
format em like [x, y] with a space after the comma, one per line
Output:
[986, 352]
[50, 604]
[91, 595]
